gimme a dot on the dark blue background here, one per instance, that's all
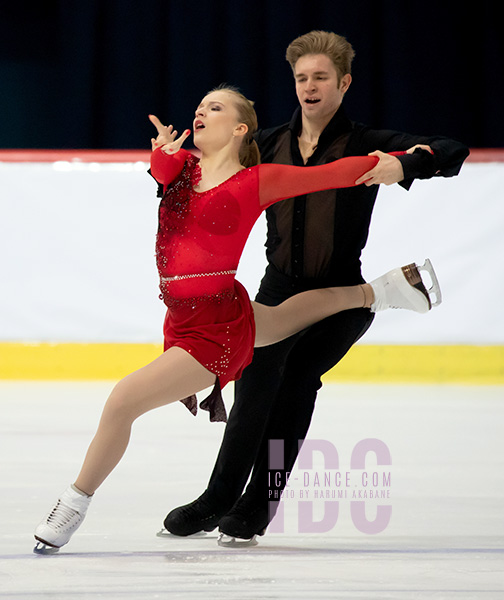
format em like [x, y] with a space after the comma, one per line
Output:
[85, 74]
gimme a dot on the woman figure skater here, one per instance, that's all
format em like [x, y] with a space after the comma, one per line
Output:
[208, 209]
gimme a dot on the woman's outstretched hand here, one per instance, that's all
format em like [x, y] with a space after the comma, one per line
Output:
[167, 137]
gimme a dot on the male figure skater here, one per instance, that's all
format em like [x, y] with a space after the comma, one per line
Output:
[313, 241]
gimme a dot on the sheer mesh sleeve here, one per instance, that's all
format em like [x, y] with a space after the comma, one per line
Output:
[165, 167]
[278, 182]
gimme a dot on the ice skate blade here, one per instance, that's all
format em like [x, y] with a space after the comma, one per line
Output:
[228, 541]
[44, 549]
[435, 289]
[421, 302]
[164, 533]
[431, 295]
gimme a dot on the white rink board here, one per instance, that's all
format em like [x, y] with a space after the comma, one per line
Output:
[77, 254]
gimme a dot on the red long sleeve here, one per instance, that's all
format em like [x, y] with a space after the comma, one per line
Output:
[277, 182]
[165, 167]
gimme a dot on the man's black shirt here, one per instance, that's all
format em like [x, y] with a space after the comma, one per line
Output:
[320, 236]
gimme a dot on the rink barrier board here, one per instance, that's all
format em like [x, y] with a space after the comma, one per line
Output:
[477, 365]
[482, 365]
[108, 156]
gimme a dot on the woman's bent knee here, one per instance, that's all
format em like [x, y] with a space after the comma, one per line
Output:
[123, 402]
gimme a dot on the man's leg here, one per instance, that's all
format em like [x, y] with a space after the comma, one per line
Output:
[248, 419]
[315, 352]
[254, 395]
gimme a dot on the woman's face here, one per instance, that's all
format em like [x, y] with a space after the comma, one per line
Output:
[216, 120]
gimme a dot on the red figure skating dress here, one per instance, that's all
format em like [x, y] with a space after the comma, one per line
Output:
[200, 239]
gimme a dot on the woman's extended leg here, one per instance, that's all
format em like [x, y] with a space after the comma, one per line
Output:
[400, 288]
[172, 376]
[275, 323]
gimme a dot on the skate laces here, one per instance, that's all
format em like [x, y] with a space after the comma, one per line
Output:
[61, 515]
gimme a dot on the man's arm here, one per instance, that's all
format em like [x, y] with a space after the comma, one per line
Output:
[445, 160]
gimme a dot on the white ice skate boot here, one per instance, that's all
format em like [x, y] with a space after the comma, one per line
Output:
[62, 521]
[403, 288]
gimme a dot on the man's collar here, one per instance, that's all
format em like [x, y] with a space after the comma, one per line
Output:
[336, 126]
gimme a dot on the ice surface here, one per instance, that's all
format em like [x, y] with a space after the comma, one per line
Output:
[445, 538]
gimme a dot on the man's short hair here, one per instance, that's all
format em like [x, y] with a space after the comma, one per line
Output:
[336, 47]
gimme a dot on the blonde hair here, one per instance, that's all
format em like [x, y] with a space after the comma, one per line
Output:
[249, 151]
[336, 47]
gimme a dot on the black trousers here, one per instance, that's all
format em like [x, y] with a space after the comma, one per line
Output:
[275, 397]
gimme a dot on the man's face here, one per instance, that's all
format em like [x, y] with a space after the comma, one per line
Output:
[318, 88]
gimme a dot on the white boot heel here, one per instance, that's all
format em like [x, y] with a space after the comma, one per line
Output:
[404, 288]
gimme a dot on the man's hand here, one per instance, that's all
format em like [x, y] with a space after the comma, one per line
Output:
[388, 170]
[421, 146]
[166, 138]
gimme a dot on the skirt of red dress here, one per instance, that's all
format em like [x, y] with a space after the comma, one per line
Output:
[219, 331]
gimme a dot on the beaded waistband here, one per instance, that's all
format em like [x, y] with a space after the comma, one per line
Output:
[192, 276]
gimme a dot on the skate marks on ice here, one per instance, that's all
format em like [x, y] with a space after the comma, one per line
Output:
[187, 548]
[445, 539]
[291, 568]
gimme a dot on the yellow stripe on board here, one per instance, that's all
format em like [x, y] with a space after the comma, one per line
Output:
[74, 361]
[482, 365]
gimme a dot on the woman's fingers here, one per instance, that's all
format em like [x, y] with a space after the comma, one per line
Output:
[163, 130]
[157, 123]
[184, 136]
[176, 144]
[167, 136]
